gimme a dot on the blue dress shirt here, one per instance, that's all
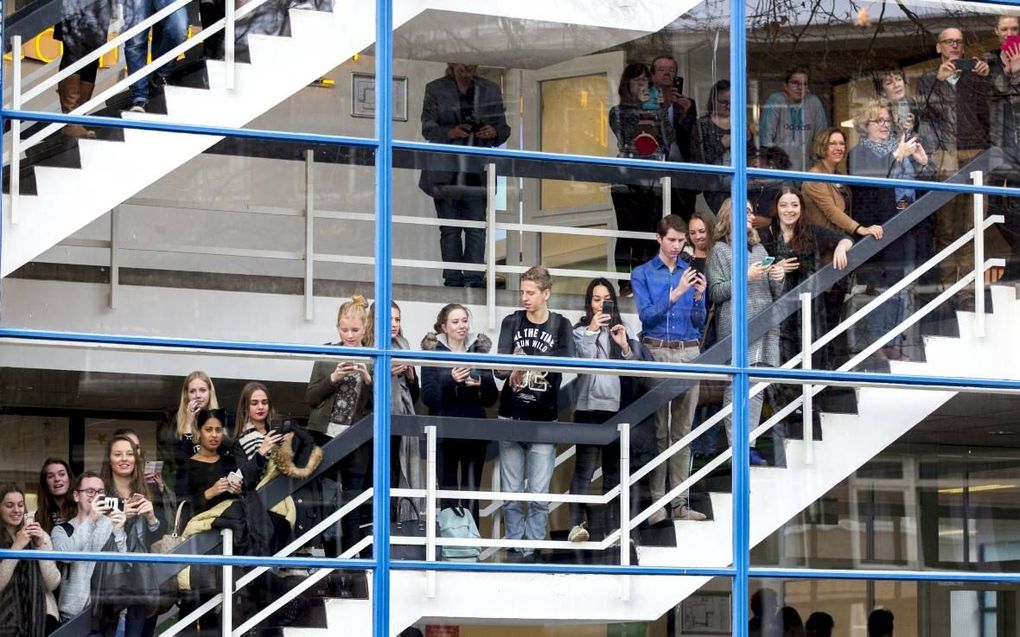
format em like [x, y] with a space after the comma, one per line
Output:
[680, 321]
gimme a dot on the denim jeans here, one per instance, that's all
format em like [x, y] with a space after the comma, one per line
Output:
[171, 32]
[526, 467]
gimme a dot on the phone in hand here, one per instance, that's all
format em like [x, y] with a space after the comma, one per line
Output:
[678, 84]
[113, 503]
[609, 307]
[1012, 43]
[29, 518]
[235, 477]
[475, 374]
[767, 261]
[965, 64]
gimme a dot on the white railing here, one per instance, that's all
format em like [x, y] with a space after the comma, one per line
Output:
[18, 97]
[185, 622]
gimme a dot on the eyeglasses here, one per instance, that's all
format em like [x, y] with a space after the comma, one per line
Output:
[952, 42]
[797, 83]
[92, 492]
[880, 122]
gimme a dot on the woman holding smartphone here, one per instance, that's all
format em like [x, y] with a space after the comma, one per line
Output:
[124, 480]
[96, 527]
[600, 334]
[197, 393]
[26, 586]
[340, 394]
[460, 392]
[764, 284]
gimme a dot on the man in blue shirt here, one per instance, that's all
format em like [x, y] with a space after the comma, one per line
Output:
[670, 297]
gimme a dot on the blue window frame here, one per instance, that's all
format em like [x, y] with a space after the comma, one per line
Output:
[741, 571]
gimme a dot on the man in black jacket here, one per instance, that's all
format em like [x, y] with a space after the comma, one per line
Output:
[461, 108]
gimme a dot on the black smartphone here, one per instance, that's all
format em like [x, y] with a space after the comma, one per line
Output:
[965, 65]
[678, 84]
[475, 374]
[609, 307]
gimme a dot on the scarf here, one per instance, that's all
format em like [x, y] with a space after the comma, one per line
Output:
[23, 602]
[903, 169]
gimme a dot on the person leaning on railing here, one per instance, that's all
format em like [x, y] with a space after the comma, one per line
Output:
[459, 392]
[880, 154]
[26, 586]
[764, 285]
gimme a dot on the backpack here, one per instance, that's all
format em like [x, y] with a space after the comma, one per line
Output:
[457, 522]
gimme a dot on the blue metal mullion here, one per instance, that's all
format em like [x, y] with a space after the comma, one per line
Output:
[740, 462]
[381, 381]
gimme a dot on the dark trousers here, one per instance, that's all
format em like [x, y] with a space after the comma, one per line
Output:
[461, 245]
[210, 13]
[355, 477]
[601, 518]
[462, 465]
[1009, 208]
[638, 209]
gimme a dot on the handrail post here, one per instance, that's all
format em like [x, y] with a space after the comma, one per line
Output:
[15, 171]
[227, 610]
[490, 240]
[309, 232]
[805, 348]
[114, 256]
[977, 177]
[624, 429]
[667, 198]
[430, 508]
[228, 44]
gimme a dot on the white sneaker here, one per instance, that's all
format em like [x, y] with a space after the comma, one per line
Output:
[578, 534]
[137, 108]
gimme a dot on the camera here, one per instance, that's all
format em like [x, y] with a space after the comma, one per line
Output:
[609, 307]
[965, 65]
[474, 124]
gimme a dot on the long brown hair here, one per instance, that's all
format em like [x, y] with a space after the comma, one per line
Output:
[800, 228]
[242, 406]
[137, 476]
[48, 504]
[5, 539]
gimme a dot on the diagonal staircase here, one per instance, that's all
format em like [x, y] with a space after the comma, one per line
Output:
[110, 172]
[777, 495]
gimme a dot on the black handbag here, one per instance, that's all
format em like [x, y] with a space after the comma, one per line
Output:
[414, 527]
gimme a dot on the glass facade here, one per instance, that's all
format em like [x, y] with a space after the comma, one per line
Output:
[695, 451]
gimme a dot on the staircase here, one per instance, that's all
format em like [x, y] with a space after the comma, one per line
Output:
[112, 171]
[777, 495]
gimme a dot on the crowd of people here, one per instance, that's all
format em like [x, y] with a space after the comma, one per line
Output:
[768, 619]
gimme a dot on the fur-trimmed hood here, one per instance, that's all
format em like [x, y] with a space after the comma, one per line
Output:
[477, 343]
[302, 462]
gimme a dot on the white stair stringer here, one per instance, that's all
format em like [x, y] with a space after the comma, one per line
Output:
[112, 172]
[777, 495]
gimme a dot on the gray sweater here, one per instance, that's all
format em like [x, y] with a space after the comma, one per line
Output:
[596, 392]
[88, 537]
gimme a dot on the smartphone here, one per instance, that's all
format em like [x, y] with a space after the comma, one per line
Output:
[1012, 42]
[234, 477]
[153, 466]
[475, 374]
[767, 261]
[678, 84]
[29, 518]
[609, 307]
[112, 503]
[965, 64]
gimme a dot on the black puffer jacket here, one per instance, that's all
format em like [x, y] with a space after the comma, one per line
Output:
[443, 396]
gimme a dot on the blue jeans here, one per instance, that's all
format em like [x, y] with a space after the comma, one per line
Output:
[171, 32]
[535, 462]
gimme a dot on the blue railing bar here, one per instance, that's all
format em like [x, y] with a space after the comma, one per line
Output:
[535, 155]
[567, 569]
[186, 559]
[704, 371]
[383, 293]
[891, 575]
[740, 464]
[193, 129]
